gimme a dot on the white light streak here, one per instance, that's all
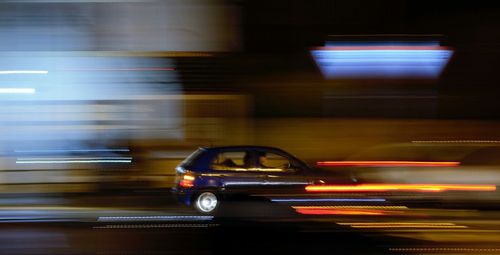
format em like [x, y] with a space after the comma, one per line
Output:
[24, 72]
[73, 160]
[154, 218]
[17, 90]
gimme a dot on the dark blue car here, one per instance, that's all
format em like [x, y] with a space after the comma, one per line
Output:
[211, 175]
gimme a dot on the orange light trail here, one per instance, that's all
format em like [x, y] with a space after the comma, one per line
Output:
[338, 212]
[409, 226]
[399, 187]
[402, 225]
[352, 207]
[350, 210]
[379, 163]
[396, 223]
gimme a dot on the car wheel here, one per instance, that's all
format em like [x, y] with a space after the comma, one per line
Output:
[206, 202]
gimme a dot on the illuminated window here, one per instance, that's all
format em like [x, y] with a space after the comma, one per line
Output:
[233, 161]
[272, 162]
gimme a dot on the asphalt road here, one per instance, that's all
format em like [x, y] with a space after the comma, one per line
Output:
[125, 225]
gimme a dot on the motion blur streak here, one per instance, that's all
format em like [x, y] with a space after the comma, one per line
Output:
[24, 72]
[73, 160]
[17, 90]
[122, 69]
[155, 218]
[338, 212]
[382, 61]
[353, 207]
[71, 150]
[396, 223]
[350, 210]
[447, 249]
[160, 226]
[399, 187]
[409, 226]
[403, 225]
[328, 200]
[458, 141]
[388, 163]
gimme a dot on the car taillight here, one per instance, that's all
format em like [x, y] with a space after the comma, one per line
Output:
[187, 180]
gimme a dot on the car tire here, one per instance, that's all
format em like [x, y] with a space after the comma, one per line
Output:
[206, 202]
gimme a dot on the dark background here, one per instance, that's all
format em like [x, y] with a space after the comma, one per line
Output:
[276, 67]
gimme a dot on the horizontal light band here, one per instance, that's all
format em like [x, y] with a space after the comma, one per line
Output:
[386, 48]
[135, 226]
[122, 69]
[445, 249]
[73, 158]
[69, 161]
[457, 141]
[71, 150]
[392, 163]
[17, 90]
[338, 212]
[408, 226]
[402, 225]
[349, 210]
[364, 207]
[155, 218]
[396, 223]
[399, 187]
[291, 200]
[382, 61]
[397, 44]
[24, 72]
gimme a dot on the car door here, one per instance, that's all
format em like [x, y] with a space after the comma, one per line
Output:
[237, 169]
[283, 174]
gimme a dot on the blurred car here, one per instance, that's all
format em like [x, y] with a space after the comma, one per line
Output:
[210, 176]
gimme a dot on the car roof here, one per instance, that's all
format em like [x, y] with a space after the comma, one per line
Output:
[242, 147]
[203, 159]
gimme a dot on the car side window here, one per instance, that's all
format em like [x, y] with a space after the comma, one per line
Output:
[272, 162]
[233, 161]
